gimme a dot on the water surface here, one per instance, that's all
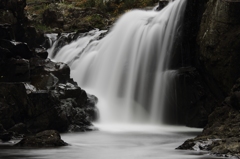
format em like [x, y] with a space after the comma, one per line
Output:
[119, 142]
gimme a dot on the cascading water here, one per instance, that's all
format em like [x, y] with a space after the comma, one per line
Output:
[128, 70]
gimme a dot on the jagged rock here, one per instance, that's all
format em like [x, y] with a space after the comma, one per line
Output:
[221, 135]
[6, 31]
[41, 53]
[162, 4]
[14, 104]
[42, 114]
[48, 98]
[4, 135]
[18, 49]
[41, 67]
[195, 101]
[48, 138]
[15, 70]
[19, 128]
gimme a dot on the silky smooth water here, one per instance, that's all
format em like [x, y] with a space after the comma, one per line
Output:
[116, 142]
[128, 70]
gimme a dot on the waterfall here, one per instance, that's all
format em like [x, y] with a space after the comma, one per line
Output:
[128, 69]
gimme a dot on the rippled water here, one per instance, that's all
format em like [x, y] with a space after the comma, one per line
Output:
[122, 142]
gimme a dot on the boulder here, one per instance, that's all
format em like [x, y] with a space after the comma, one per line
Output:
[19, 128]
[5, 135]
[47, 138]
[13, 106]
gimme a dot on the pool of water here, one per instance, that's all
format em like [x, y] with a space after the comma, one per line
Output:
[116, 142]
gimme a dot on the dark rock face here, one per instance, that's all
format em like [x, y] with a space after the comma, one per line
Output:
[219, 41]
[217, 53]
[48, 138]
[197, 91]
[194, 98]
[221, 135]
[37, 94]
[14, 104]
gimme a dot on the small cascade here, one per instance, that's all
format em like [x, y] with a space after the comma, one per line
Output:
[128, 70]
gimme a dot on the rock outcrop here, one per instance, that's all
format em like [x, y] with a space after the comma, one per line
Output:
[221, 135]
[216, 57]
[48, 138]
[37, 94]
[219, 41]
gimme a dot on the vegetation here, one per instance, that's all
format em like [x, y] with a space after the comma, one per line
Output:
[107, 11]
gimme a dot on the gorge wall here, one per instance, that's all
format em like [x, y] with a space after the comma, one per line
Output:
[215, 56]
[36, 94]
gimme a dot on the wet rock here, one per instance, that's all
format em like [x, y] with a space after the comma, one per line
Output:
[221, 136]
[19, 128]
[162, 4]
[219, 42]
[6, 32]
[13, 106]
[4, 135]
[15, 70]
[49, 70]
[53, 16]
[43, 114]
[195, 99]
[41, 53]
[18, 49]
[48, 138]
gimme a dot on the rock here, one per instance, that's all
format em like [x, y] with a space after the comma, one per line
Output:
[18, 49]
[6, 31]
[19, 128]
[33, 38]
[162, 4]
[219, 42]
[15, 70]
[221, 136]
[43, 114]
[53, 16]
[41, 67]
[195, 99]
[41, 53]
[4, 135]
[48, 138]
[13, 106]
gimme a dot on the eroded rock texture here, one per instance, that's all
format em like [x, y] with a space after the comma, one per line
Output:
[219, 41]
[217, 58]
[36, 94]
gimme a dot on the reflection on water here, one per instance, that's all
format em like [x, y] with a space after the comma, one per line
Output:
[135, 143]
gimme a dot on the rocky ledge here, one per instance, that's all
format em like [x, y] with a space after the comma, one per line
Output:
[36, 94]
[221, 136]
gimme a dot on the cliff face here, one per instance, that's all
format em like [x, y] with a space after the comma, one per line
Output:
[219, 39]
[36, 94]
[216, 56]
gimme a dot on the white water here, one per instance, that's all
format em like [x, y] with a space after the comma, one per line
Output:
[128, 69]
